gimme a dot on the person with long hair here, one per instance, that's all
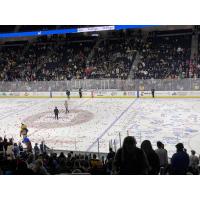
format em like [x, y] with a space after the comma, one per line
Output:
[153, 159]
[129, 159]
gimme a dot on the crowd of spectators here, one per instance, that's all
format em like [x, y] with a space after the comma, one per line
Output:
[60, 59]
[127, 160]
[44, 61]
[114, 58]
[165, 57]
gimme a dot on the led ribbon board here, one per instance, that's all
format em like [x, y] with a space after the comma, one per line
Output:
[68, 31]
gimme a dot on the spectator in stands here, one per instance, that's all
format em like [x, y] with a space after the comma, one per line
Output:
[39, 168]
[194, 163]
[109, 160]
[36, 149]
[130, 159]
[85, 164]
[28, 144]
[96, 165]
[53, 163]
[43, 147]
[5, 142]
[153, 159]
[179, 161]
[1, 171]
[163, 156]
[16, 150]
[20, 147]
[77, 167]
[111, 154]
[69, 162]
[9, 167]
[2, 150]
[62, 161]
[10, 150]
[31, 161]
[22, 169]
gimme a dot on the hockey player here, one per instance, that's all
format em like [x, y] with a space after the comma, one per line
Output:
[152, 92]
[23, 130]
[80, 92]
[66, 107]
[68, 94]
[56, 112]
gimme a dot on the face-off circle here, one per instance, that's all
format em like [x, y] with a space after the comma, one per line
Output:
[46, 120]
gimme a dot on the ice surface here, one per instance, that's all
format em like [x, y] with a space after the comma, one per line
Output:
[168, 120]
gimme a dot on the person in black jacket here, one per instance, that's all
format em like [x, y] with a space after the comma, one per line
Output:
[68, 94]
[109, 160]
[153, 92]
[80, 92]
[180, 161]
[130, 160]
[2, 150]
[153, 159]
[56, 111]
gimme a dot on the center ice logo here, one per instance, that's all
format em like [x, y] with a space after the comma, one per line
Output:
[46, 120]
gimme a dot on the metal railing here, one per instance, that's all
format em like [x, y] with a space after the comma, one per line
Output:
[103, 84]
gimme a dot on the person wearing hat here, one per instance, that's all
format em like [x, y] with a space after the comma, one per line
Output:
[179, 161]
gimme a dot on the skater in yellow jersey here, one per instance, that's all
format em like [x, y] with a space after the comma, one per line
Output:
[23, 130]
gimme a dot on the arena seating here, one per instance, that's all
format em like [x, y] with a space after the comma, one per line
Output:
[112, 57]
[15, 160]
[58, 58]
[165, 57]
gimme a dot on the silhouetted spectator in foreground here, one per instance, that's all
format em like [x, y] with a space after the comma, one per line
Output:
[194, 163]
[39, 168]
[111, 154]
[10, 150]
[163, 157]
[179, 161]
[96, 165]
[153, 159]
[130, 160]
[36, 149]
[109, 160]
[22, 169]
[16, 150]
[43, 148]
[2, 150]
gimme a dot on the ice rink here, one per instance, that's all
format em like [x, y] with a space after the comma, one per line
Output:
[168, 120]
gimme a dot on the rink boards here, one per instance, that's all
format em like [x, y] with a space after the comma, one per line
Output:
[103, 94]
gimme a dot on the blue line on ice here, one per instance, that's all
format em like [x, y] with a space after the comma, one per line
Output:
[111, 125]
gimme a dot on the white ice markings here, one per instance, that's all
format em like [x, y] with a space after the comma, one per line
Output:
[110, 126]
